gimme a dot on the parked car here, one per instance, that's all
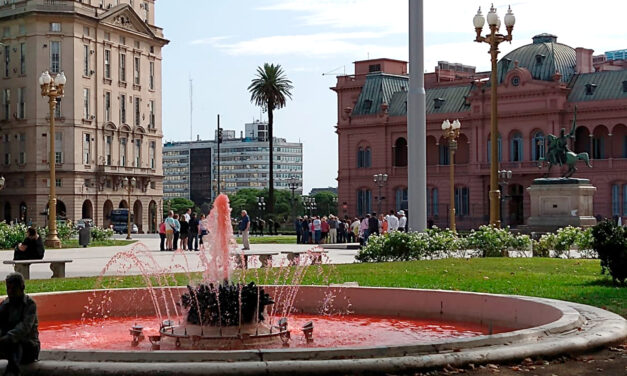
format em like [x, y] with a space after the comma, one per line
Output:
[82, 222]
[122, 229]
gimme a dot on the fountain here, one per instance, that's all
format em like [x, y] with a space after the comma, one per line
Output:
[225, 324]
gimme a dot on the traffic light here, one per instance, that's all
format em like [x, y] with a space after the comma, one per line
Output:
[219, 135]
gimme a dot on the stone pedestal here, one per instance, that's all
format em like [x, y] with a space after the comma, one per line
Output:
[560, 202]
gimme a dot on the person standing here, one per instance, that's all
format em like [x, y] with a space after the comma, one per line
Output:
[202, 228]
[317, 229]
[19, 333]
[169, 231]
[244, 227]
[332, 229]
[373, 224]
[299, 230]
[32, 248]
[324, 229]
[177, 232]
[188, 215]
[305, 230]
[162, 235]
[184, 232]
[192, 240]
[392, 222]
[402, 221]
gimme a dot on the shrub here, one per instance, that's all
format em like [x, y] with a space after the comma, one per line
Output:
[563, 240]
[610, 242]
[493, 242]
[543, 246]
[397, 246]
[10, 236]
[65, 231]
[100, 234]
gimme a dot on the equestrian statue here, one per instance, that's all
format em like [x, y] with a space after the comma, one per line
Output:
[559, 153]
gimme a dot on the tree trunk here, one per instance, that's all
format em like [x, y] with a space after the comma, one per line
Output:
[271, 165]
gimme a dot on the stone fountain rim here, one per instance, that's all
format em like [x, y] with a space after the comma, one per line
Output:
[571, 319]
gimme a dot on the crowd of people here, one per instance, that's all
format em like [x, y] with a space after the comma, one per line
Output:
[331, 229]
[185, 231]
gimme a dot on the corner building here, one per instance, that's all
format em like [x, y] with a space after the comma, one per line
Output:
[539, 86]
[108, 124]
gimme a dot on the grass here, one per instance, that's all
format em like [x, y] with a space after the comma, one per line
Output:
[573, 280]
[73, 243]
[270, 239]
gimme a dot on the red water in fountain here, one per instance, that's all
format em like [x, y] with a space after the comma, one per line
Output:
[329, 331]
[220, 241]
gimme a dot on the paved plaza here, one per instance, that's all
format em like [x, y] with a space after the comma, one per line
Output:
[89, 262]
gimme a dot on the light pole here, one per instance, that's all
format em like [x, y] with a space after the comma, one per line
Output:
[451, 132]
[53, 89]
[292, 184]
[494, 39]
[504, 177]
[219, 141]
[310, 204]
[381, 180]
[129, 185]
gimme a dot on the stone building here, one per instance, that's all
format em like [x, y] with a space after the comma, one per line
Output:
[108, 124]
[539, 86]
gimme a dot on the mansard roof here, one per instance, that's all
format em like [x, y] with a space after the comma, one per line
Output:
[598, 86]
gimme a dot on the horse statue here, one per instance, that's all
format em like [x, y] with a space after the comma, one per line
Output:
[559, 154]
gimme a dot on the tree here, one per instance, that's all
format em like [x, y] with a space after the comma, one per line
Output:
[178, 205]
[325, 203]
[270, 90]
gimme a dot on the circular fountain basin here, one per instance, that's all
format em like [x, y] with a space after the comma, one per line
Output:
[538, 327]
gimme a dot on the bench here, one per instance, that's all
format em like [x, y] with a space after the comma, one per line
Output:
[264, 257]
[316, 255]
[23, 266]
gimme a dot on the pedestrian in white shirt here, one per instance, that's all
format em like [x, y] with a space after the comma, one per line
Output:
[402, 220]
[393, 222]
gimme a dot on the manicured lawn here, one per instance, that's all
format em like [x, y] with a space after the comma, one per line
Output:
[270, 239]
[573, 280]
[73, 243]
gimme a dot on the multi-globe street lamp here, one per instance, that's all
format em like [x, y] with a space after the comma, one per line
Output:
[451, 133]
[292, 184]
[261, 204]
[494, 39]
[52, 87]
[310, 204]
[129, 185]
[381, 180]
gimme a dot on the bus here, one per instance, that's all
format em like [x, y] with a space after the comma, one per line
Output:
[119, 220]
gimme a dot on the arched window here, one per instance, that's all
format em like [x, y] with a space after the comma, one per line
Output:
[461, 201]
[401, 198]
[360, 157]
[537, 146]
[615, 200]
[364, 202]
[443, 152]
[516, 148]
[490, 149]
[434, 202]
[400, 152]
[367, 157]
[599, 138]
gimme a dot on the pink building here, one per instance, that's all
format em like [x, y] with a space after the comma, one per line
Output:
[539, 86]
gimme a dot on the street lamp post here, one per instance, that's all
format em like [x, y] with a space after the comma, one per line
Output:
[292, 184]
[261, 204]
[451, 132]
[53, 89]
[129, 185]
[381, 180]
[504, 177]
[494, 39]
[310, 204]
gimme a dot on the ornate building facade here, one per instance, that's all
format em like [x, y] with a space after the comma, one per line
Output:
[108, 124]
[540, 84]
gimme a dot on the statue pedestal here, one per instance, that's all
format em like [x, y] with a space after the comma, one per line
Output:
[560, 202]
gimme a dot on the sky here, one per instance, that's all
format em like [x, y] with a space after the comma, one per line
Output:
[219, 45]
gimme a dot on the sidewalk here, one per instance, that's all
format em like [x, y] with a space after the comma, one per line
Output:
[90, 262]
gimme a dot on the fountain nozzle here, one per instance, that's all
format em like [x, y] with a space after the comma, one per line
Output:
[137, 331]
[308, 332]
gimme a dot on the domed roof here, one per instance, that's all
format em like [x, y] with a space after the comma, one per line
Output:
[542, 58]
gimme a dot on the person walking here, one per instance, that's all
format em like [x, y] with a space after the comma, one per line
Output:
[177, 232]
[192, 237]
[332, 229]
[184, 231]
[162, 235]
[244, 227]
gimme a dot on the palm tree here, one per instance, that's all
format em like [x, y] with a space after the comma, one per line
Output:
[270, 90]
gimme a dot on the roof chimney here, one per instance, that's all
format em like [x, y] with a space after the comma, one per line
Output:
[583, 60]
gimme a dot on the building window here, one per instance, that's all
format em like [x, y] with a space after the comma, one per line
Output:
[615, 200]
[625, 146]
[538, 146]
[107, 106]
[461, 201]
[6, 104]
[7, 60]
[123, 67]
[122, 40]
[57, 182]
[22, 58]
[400, 152]
[401, 198]
[21, 102]
[86, 31]
[107, 35]
[85, 60]
[55, 56]
[152, 115]
[22, 29]
[86, 148]
[516, 148]
[57, 110]
[151, 83]
[153, 146]
[107, 64]
[598, 147]
[136, 71]
[443, 152]
[435, 203]
[138, 153]
[123, 152]
[122, 109]
[108, 144]
[55, 27]
[58, 147]
[22, 155]
[364, 202]
[137, 112]
[86, 103]
[490, 149]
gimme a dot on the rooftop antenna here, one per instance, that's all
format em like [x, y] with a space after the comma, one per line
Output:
[333, 71]
[191, 108]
